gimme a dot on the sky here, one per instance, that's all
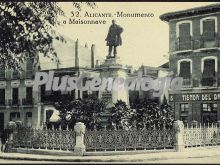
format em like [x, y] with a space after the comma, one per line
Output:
[145, 41]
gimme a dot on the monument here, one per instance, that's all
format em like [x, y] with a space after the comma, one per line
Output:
[112, 68]
[114, 38]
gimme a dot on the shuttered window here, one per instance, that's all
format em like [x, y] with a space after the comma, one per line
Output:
[29, 64]
[29, 94]
[184, 31]
[2, 96]
[184, 36]
[209, 29]
[15, 94]
[208, 76]
[185, 70]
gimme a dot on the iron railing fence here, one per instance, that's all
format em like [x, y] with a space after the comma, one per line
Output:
[55, 139]
[201, 135]
[133, 139]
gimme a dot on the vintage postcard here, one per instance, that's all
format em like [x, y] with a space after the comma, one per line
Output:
[109, 82]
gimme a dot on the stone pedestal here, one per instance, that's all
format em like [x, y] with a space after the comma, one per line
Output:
[179, 131]
[79, 148]
[112, 68]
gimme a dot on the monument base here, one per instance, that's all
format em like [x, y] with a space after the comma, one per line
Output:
[112, 62]
[112, 68]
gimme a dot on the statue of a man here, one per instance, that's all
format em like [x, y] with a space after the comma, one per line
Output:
[114, 38]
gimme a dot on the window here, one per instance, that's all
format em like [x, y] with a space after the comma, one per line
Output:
[184, 109]
[209, 107]
[29, 95]
[29, 64]
[14, 116]
[184, 33]
[185, 71]
[209, 112]
[29, 67]
[15, 96]
[2, 96]
[208, 28]
[2, 74]
[209, 68]
[15, 74]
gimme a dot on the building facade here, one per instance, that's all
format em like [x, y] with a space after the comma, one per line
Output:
[154, 73]
[18, 100]
[194, 49]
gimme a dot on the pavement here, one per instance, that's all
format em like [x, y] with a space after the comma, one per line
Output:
[189, 155]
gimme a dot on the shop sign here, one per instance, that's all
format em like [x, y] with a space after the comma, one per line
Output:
[194, 97]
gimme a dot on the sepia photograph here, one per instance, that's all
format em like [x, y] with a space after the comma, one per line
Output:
[109, 82]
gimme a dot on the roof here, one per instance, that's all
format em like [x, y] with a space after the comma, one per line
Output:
[165, 65]
[213, 8]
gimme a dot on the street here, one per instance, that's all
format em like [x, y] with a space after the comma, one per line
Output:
[213, 160]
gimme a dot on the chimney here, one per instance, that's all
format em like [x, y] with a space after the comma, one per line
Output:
[77, 53]
[92, 56]
[97, 63]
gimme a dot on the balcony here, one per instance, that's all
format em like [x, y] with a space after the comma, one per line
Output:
[209, 81]
[29, 74]
[13, 102]
[15, 75]
[187, 83]
[183, 45]
[199, 43]
[27, 102]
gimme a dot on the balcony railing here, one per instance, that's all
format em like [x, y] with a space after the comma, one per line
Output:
[27, 101]
[13, 102]
[187, 82]
[209, 81]
[15, 75]
[29, 74]
[2, 75]
[199, 43]
[184, 45]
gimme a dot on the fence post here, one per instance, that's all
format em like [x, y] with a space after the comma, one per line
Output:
[11, 129]
[79, 148]
[179, 131]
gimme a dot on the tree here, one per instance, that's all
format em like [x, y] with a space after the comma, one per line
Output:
[86, 111]
[151, 113]
[26, 29]
[143, 112]
[121, 114]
